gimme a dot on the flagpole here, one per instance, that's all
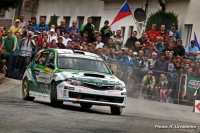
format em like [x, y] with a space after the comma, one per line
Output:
[134, 19]
[136, 24]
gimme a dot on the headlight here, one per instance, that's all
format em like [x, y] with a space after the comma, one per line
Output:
[74, 82]
[119, 87]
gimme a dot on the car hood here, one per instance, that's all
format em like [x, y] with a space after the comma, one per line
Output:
[89, 77]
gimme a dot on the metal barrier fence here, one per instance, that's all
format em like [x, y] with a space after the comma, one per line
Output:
[133, 79]
[17, 63]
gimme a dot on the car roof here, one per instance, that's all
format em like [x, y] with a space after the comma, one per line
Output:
[75, 52]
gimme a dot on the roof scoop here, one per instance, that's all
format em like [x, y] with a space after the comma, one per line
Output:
[94, 75]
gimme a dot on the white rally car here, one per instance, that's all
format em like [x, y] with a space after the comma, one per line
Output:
[74, 76]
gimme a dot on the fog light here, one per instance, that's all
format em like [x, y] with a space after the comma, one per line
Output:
[123, 93]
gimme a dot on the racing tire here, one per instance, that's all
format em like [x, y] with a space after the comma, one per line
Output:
[116, 110]
[53, 96]
[25, 90]
[86, 106]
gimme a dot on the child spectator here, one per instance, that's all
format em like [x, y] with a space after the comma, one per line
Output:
[158, 46]
[44, 46]
[163, 88]
[53, 44]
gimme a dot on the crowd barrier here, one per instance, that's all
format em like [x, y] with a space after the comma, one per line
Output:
[17, 63]
[133, 84]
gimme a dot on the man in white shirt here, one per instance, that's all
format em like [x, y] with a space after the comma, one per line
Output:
[99, 43]
[66, 38]
[26, 46]
[52, 36]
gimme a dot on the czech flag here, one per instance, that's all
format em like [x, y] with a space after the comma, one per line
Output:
[123, 12]
[196, 42]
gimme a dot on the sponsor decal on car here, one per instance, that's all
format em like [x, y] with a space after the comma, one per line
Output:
[97, 80]
[47, 70]
[110, 91]
[82, 87]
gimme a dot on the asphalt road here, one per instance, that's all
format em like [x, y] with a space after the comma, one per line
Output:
[140, 116]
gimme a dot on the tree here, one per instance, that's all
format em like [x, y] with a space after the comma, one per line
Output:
[53, 21]
[6, 4]
[161, 17]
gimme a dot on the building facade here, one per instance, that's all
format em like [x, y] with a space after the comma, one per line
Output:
[101, 10]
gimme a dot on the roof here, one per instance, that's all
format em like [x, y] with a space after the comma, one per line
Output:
[69, 51]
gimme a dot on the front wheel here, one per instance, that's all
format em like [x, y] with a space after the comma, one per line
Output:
[53, 96]
[25, 90]
[116, 110]
[86, 106]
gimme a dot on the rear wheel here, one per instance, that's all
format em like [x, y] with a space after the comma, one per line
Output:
[86, 106]
[25, 90]
[116, 110]
[53, 96]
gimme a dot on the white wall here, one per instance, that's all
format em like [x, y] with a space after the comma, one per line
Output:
[112, 8]
[71, 8]
[188, 13]
[8, 14]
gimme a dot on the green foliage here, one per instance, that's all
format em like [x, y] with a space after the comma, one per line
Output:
[6, 4]
[161, 17]
[53, 21]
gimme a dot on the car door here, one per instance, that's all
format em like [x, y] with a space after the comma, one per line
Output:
[46, 72]
[39, 70]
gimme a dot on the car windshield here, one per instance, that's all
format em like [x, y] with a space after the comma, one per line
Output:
[82, 64]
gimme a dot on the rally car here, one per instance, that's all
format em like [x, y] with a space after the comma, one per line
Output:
[74, 76]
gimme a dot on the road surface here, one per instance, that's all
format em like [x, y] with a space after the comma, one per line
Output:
[140, 116]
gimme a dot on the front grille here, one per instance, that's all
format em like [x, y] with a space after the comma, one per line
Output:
[95, 87]
[96, 97]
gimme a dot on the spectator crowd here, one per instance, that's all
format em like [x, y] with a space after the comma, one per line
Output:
[153, 62]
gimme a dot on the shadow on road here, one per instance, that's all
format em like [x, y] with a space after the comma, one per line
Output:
[74, 108]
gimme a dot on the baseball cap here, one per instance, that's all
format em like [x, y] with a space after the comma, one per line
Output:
[17, 21]
[192, 41]
[150, 72]
[173, 24]
[90, 44]
[29, 20]
[52, 30]
[134, 53]
[123, 48]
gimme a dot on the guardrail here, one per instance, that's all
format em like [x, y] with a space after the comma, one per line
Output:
[17, 63]
[133, 85]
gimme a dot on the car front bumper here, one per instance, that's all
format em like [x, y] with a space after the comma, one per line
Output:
[95, 97]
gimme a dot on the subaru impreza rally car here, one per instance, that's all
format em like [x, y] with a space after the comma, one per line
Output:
[74, 76]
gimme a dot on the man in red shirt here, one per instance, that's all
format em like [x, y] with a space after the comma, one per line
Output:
[153, 32]
[162, 32]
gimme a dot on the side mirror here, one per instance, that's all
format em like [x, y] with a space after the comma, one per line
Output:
[51, 65]
[112, 71]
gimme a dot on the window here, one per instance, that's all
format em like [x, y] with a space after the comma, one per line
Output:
[50, 59]
[67, 21]
[96, 22]
[188, 34]
[80, 20]
[43, 17]
[130, 30]
[41, 58]
[123, 31]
